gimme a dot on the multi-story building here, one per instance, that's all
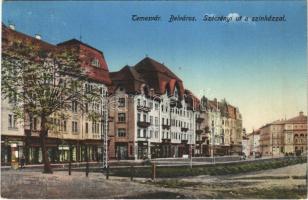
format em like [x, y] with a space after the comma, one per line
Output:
[153, 115]
[76, 132]
[284, 136]
[222, 128]
[254, 143]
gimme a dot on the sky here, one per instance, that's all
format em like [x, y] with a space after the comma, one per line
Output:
[260, 67]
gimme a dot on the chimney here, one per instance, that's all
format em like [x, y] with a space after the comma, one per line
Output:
[301, 113]
[37, 36]
[12, 26]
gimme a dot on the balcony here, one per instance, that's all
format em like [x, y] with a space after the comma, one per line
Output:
[172, 103]
[142, 124]
[166, 140]
[207, 129]
[165, 126]
[176, 103]
[199, 131]
[184, 129]
[184, 141]
[143, 108]
[199, 119]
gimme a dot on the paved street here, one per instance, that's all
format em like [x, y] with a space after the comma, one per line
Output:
[288, 182]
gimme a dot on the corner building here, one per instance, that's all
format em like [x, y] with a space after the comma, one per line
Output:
[151, 114]
[75, 132]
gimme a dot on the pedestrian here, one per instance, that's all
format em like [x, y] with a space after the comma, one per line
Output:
[22, 161]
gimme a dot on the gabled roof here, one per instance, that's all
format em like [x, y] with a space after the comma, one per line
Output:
[149, 64]
[151, 73]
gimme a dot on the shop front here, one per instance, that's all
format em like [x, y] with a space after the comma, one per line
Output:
[11, 150]
[142, 149]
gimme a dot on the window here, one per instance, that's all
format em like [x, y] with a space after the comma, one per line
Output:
[87, 127]
[86, 107]
[12, 121]
[156, 106]
[74, 106]
[144, 118]
[64, 126]
[95, 127]
[156, 134]
[151, 105]
[151, 134]
[151, 120]
[121, 117]
[95, 62]
[13, 99]
[121, 132]
[162, 108]
[74, 127]
[34, 123]
[156, 121]
[144, 132]
[121, 102]
[138, 117]
[163, 121]
[144, 103]
[138, 102]
[138, 133]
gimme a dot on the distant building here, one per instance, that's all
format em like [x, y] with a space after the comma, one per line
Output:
[254, 143]
[222, 127]
[284, 136]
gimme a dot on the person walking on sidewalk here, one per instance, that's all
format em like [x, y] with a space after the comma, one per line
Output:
[22, 161]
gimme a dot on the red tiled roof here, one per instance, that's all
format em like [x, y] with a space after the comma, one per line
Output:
[13, 35]
[86, 55]
[297, 120]
[86, 52]
[151, 73]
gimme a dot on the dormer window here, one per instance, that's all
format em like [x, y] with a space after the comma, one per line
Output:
[95, 62]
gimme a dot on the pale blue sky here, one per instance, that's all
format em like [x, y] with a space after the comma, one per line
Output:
[259, 67]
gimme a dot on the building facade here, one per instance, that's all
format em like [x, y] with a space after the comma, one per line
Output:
[284, 137]
[74, 134]
[221, 129]
[158, 119]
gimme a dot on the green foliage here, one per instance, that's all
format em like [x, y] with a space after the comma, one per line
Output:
[45, 83]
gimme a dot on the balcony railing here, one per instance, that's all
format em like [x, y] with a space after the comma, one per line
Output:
[199, 119]
[184, 141]
[165, 126]
[166, 140]
[199, 131]
[143, 124]
[143, 108]
[184, 129]
[176, 103]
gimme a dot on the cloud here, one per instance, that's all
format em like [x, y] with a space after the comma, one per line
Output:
[233, 16]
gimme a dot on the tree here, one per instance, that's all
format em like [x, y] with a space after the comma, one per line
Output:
[45, 83]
